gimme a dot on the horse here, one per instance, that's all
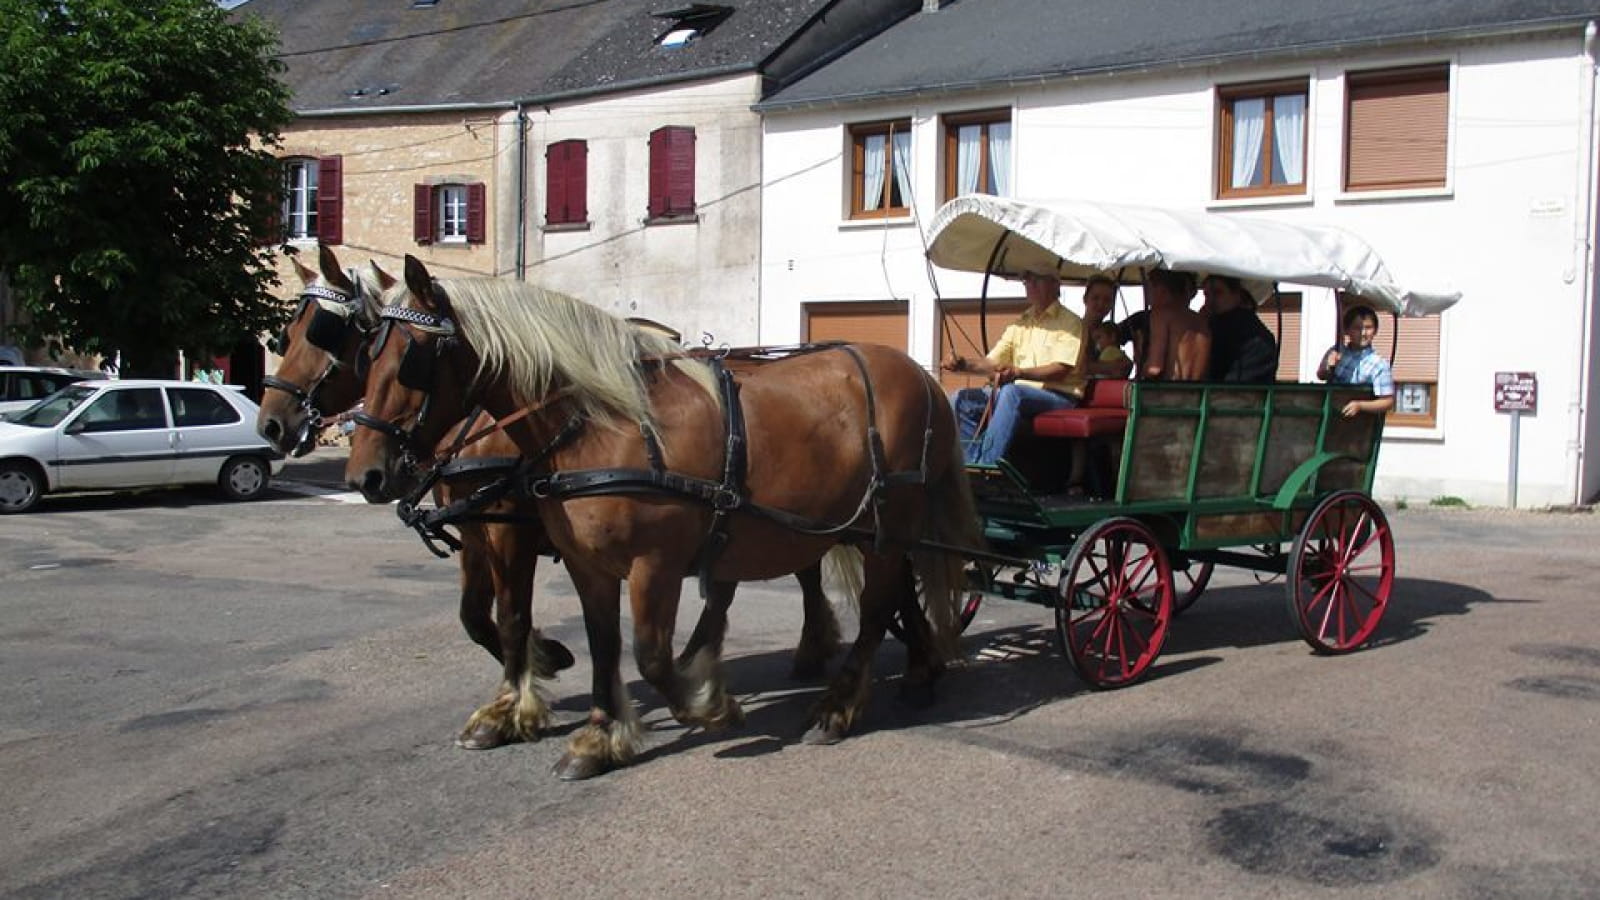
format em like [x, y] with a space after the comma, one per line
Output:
[645, 470]
[324, 349]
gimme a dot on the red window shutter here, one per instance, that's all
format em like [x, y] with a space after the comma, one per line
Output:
[422, 213]
[555, 184]
[659, 141]
[330, 199]
[477, 201]
[577, 188]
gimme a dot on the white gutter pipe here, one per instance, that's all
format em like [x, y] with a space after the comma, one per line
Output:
[1583, 246]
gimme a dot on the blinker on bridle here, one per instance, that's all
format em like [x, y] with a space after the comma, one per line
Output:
[334, 314]
[418, 365]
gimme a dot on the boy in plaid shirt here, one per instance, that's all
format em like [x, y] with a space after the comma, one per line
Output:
[1357, 363]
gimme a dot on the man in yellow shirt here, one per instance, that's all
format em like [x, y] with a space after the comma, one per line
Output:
[1032, 369]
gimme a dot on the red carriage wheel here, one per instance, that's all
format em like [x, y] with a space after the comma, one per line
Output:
[1115, 602]
[1340, 572]
[964, 614]
[1190, 583]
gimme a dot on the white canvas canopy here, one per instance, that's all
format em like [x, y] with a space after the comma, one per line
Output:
[1077, 239]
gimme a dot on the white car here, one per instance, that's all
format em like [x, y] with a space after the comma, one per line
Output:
[23, 386]
[108, 435]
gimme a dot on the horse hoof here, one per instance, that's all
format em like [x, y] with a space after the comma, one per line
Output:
[577, 768]
[482, 736]
[557, 654]
[821, 736]
[917, 696]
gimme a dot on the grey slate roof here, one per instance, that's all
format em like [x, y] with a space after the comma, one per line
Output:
[468, 52]
[975, 43]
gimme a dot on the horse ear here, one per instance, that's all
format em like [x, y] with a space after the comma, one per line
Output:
[385, 280]
[419, 282]
[306, 274]
[331, 273]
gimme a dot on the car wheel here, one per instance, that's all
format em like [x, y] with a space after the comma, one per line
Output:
[20, 488]
[243, 477]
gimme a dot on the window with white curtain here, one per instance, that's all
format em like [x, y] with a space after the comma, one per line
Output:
[300, 199]
[977, 153]
[880, 175]
[1261, 139]
[451, 213]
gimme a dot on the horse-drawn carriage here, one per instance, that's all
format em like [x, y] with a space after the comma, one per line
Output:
[1204, 474]
[638, 462]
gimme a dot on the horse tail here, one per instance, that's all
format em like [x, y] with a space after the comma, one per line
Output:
[951, 521]
[843, 575]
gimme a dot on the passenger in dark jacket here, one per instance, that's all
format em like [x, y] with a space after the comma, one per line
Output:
[1243, 349]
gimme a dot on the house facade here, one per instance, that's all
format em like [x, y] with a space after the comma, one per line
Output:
[1461, 144]
[607, 150]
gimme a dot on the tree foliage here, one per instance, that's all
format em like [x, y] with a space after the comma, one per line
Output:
[136, 179]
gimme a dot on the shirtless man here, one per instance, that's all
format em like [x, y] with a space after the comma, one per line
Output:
[1179, 347]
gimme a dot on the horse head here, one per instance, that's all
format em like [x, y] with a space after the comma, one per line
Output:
[321, 347]
[419, 378]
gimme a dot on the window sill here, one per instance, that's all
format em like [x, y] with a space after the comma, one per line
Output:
[679, 219]
[559, 227]
[1421, 434]
[1444, 193]
[880, 222]
[1265, 200]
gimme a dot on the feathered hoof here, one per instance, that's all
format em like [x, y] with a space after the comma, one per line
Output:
[483, 736]
[822, 735]
[571, 767]
[557, 654]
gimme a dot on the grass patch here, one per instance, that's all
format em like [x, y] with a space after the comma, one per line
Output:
[1402, 503]
[1447, 500]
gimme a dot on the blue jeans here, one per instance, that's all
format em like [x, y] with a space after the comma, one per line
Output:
[1014, 403]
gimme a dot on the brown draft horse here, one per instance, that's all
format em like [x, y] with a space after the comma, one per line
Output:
[844, 441]
[322, 371]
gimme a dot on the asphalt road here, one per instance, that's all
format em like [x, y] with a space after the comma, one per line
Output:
[201, 699]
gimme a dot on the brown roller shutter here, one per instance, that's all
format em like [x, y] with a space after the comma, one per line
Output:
[1416, 358]
[860, 323]
[1397, 129]
[330, 199]
[477, 212]
[959, 325]
[1289, 341]
[422, 213]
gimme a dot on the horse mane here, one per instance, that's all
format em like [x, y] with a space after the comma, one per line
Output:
[542, 341]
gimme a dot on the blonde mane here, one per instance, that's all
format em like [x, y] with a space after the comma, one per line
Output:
[542, 341]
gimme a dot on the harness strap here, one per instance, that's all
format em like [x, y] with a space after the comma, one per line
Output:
[733, 472]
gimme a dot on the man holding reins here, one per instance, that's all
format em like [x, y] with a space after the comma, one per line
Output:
[1033, 369]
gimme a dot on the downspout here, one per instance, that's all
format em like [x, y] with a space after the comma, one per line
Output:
[1583, 243]
[522, 193]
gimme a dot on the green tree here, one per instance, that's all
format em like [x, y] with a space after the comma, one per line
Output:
[137, 185]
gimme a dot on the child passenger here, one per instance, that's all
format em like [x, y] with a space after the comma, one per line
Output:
[1355, 362]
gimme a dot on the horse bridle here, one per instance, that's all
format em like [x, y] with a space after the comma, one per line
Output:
[418, 370]
[334, 314]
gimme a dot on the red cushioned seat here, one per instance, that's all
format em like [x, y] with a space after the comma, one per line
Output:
[1104, 413]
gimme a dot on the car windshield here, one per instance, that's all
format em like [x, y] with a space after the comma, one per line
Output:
[49, 412]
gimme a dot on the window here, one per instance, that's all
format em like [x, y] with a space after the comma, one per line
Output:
[880, 173]
[130, 409]
[671, 173]
[313, 199]
[199, 406]
[566, 193]
[690, 23]
[1396, 129]
[1289, 339]
[451, 213]
[1261, 139]
[858, 322]
[977, 154]
[1416, 370]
